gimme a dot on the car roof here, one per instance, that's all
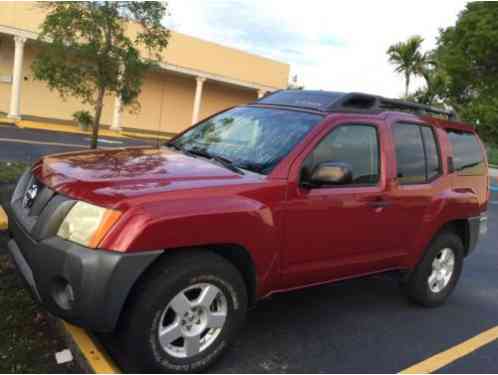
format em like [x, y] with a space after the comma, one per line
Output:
[327, 102]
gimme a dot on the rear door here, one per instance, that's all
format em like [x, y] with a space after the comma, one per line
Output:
[417, 185]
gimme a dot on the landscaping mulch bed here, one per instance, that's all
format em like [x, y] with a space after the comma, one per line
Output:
[29, 340]
[28, 337]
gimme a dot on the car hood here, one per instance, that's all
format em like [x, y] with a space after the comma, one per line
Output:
[110, 176]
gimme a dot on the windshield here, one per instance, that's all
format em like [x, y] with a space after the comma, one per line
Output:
[248, 137]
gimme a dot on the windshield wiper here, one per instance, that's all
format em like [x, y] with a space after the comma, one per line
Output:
[174, 146]
[253, 167]
[227, 163]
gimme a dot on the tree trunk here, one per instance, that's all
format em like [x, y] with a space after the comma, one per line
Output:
[99, 104]
[407, 85]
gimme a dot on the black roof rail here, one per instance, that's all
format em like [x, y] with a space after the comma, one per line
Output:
[396, 104]
[362, 102]
[330, 101]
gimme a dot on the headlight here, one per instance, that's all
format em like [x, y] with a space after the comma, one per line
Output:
[87, 224]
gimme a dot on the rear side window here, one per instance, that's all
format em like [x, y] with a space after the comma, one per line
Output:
[468, 158]
[432, 152]
[417, 154]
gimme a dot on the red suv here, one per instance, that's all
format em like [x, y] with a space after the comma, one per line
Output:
[169, 246]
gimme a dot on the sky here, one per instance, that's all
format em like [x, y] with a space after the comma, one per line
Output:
[330, 45]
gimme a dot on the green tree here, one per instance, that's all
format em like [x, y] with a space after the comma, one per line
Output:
[407, 58]
[467, 54]
[435, 85]
[94, 49]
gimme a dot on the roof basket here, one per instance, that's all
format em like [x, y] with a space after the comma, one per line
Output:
[366, 102]
[401, 105]
[330, 101]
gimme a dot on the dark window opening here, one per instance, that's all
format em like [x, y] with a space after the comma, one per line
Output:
[432, 153]
[417, 154]
[356, 145]
[468, 157]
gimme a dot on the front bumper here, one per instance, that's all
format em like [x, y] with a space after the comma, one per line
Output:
[84, 286]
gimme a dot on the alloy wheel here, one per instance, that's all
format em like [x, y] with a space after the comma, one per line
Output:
[443, 266]
[193, 320]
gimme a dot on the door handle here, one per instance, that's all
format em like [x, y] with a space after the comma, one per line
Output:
[379, 203]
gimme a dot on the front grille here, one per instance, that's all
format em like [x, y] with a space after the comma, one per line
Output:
[42, 212]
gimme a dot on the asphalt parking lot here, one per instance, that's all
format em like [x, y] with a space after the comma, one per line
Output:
[366, 325]
[27, 145]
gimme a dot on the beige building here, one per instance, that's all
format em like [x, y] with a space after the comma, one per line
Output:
[197, 78]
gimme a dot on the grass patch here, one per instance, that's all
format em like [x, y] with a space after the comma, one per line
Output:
[11, 170]
[492, 154]
[28, 342]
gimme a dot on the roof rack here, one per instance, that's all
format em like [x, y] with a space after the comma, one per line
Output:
[331, 101]
[402, 105]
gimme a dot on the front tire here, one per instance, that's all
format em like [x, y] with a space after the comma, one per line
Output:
[436, 276]
[185, 313]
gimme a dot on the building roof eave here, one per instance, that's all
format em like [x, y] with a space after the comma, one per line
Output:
[163, 65]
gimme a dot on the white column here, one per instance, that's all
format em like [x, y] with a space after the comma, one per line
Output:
[197, 99]
[15, 90]
[261, 93]
[116, 116]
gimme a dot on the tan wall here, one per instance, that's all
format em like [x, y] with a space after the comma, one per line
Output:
[36, 98]
[166, 102]
[178, 93]
[183, 50]
[218, 97]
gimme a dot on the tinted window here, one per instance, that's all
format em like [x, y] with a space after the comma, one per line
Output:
[356, 145]
[432, 153]
[410, 156]
[252, 138]
[467, 153]
[309, 99]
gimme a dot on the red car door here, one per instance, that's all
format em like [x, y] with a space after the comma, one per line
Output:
[334, 232]
[418, 190]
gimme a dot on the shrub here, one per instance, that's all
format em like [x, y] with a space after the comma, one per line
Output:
[84, 119]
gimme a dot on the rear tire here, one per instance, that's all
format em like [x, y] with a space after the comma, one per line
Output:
[184, 314]
[435, 277]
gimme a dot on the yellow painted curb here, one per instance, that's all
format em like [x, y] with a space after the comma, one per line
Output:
[4, 221]
[451, 355]
[6, 121]
[144, 136]
[95, 356]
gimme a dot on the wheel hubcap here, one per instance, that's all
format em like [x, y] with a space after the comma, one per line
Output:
[193, 320]
[443, 266]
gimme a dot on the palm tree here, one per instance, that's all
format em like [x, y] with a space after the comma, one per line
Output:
[408, 58]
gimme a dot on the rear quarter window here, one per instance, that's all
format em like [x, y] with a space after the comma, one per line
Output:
[468, 157]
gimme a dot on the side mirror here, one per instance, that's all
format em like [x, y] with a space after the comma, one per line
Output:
[331, 173]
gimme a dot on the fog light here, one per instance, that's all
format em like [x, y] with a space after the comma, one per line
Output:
[63, 293]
